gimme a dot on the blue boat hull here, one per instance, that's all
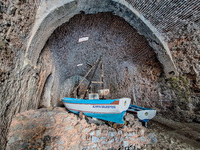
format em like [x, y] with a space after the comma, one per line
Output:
[117, 118]
[109, 110]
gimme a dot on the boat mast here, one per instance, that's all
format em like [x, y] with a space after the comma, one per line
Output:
[102, 75]
[95, 65]
[95, 68]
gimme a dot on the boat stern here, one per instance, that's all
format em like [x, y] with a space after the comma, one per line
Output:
[124, 104]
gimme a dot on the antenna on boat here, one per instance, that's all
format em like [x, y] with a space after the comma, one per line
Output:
[102, 75]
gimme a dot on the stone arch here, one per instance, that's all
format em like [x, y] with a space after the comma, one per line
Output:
[53, 13]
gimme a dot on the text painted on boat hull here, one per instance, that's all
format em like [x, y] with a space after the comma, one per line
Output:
[100, 106]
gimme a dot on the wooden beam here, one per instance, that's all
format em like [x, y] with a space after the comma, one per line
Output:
[86, 75]
[95, 68]
[97, 82]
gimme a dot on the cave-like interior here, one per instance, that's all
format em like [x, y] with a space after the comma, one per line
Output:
[150, 53]
[131, 68]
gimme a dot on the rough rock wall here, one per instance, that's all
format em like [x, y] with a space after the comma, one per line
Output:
[18, 83]
[179, 23]
[17, 18]
[22, 90]
[185, 48]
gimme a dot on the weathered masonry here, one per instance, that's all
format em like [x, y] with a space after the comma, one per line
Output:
[59, 12]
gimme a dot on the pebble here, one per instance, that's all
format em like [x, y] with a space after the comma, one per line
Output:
[48, 125]
[119, 132]
[102, 138]
[125, 143]
[95, 139]
[142, 132]
[111, 141]
[68, 128]
[152, 138]
[111, 133]
[86, 130]
[78, 127]
[37, 115]
[121, 139]
[94, 146]
[48, 148]
[98, 132]
[61, 141]
[130, 134]
[103, 142]
[14, 138]
[142, 139]
[92, 133]
[30, 126]
[116, 138]
[83, 137]
[134, 133]
[17, 127]
[60, 147]
[25, 145]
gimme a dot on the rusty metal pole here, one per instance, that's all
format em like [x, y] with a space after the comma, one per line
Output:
[102, 75]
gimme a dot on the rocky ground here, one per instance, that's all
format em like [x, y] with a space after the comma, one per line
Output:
[173, 135]
[57, 129]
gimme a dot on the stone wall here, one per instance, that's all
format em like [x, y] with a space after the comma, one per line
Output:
[168, 16]
[17, 18]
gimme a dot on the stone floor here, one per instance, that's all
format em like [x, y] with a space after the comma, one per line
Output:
[172, 135]
[58, 129]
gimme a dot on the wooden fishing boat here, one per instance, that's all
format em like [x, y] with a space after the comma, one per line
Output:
[105, 109]
[144, 114]
[108, 109]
